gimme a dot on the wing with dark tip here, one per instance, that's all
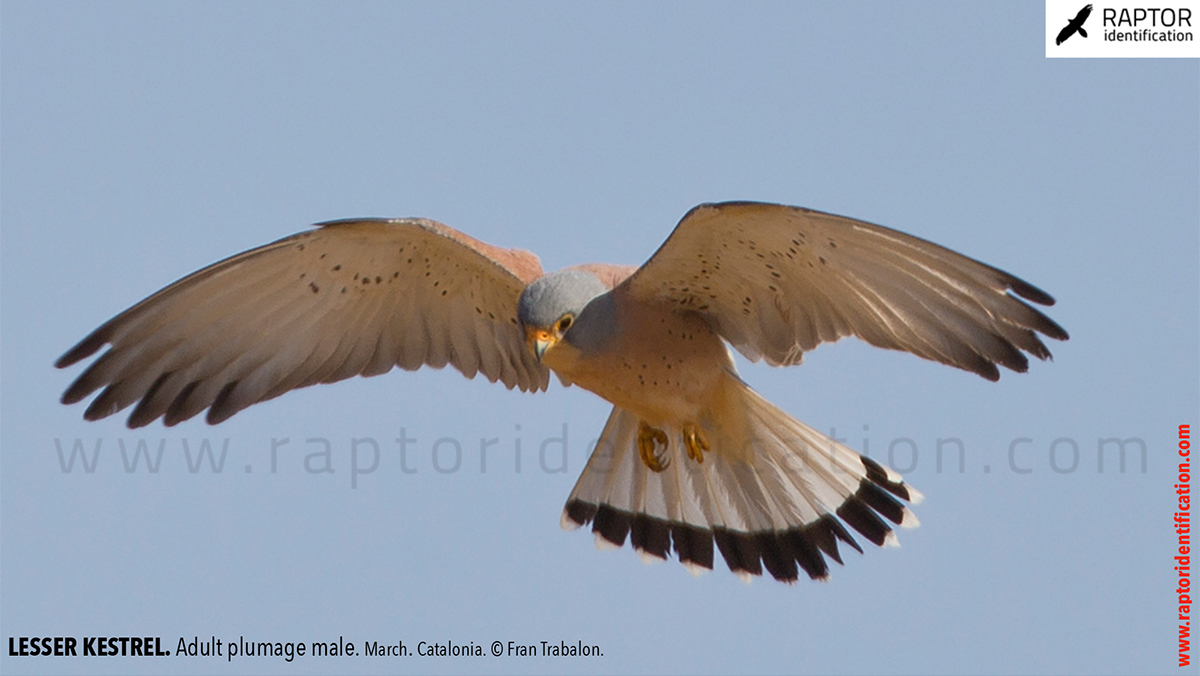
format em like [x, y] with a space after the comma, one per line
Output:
[348, 298]
[776, 281]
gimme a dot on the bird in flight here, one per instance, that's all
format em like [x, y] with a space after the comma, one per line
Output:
[1074, 25]
[690, 455]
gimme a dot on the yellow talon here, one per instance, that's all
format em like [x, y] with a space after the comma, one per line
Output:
[695, 442]
[648, 441]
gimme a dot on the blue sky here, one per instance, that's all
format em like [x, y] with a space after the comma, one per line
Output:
[141, 141]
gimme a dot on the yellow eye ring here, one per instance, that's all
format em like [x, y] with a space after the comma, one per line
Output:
[564, 323]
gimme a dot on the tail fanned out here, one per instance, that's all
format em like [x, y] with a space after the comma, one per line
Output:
[772, 492]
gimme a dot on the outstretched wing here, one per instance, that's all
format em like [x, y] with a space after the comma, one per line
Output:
[776, 281]
[349, 298]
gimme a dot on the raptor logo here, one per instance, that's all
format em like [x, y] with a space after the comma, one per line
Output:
[1074, 25]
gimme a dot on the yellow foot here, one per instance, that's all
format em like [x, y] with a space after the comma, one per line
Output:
[695, 441]
[648, 440]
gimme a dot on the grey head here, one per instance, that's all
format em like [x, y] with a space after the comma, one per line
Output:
[547, 299]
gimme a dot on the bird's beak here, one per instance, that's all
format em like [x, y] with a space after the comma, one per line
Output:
[539, 341]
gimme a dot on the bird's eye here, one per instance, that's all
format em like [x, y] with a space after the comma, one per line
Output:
[565, 323]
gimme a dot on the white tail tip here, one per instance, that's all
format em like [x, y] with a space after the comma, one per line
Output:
[567, 523]
[648, 558]
[604, 545]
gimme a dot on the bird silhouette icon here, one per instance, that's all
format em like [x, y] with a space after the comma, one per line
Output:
[1074, 25]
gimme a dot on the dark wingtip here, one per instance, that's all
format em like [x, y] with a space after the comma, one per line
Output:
[220, 410]
[1053, 330]
[103, 405]
[76, 391]
[1029, 292]
[84, 349]
[177, 410]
